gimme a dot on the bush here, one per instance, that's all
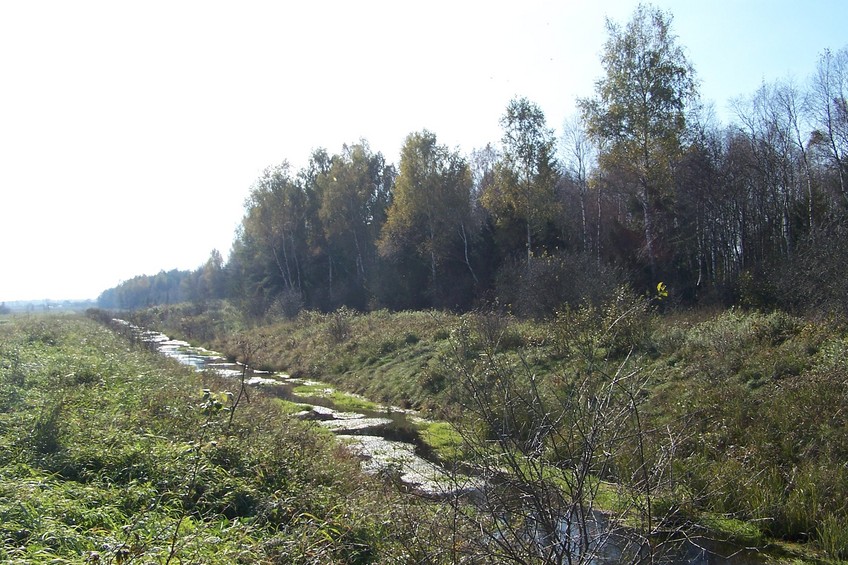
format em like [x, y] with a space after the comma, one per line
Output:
[815, 280]
[554, 281]
[339, 325]
[288, 304]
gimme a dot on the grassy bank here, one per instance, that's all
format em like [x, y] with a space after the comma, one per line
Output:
[740, 414]
[111, 454]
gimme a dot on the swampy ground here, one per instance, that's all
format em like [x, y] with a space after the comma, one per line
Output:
[113, 453]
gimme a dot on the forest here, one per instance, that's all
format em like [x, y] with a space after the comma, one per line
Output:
[643, 186]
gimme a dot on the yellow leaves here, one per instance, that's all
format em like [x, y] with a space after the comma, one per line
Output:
[662, 291]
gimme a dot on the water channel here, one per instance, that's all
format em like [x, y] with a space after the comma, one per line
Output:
[387, 441]
[386, 438]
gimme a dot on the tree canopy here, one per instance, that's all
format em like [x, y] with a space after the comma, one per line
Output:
[646, 187]
[638, 114]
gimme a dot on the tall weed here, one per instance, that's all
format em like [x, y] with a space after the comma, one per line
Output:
[832, 535]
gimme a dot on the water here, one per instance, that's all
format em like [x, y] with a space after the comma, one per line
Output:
[386, 439]
[388, 442]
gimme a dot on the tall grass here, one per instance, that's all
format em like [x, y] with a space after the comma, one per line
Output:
[744, 409]
[128, 457]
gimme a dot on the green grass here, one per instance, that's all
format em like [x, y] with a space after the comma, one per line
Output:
[736, 396]
[442, 438]
[734, 529]
[342, 400]
[110, 453]
[289, 407]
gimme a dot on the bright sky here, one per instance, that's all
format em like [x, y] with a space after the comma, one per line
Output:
[130, 132]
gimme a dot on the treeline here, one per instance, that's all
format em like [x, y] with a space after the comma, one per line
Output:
[643, 186]
[171, 287]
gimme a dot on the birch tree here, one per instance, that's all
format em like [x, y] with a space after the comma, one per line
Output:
[525, 179]
[639, 110]
[431, 206]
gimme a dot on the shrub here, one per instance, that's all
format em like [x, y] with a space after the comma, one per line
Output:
[552, 282]
[338, 325]
[411, 339]
[288, 304]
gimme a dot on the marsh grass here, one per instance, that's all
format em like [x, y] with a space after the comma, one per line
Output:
[443, 438]
[832, 533]
[341, 400]
[139, 461]
[746, 407]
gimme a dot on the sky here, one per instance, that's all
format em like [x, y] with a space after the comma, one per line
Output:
[131, 132]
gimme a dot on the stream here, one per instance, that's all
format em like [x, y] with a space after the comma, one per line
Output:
[386, 439]
[387, 442]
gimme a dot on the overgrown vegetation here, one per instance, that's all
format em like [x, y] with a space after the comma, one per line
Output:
[731, 420]
[739, 411]
[113, 455]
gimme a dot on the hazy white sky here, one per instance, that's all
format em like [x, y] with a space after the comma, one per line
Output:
[130, 133]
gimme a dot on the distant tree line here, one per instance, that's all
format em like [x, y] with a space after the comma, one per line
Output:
[643, 186]
[171, 287]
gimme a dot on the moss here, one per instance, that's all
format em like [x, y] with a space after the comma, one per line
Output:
[342, 400]
[289, 407]
[442, 438]
[732, 529]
